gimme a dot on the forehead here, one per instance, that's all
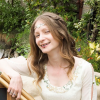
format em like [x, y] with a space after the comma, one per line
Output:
[40, 25]
[39, 22]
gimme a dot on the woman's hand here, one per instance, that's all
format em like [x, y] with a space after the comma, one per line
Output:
[15, 86]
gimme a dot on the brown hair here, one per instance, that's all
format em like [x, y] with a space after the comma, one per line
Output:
[58, 29]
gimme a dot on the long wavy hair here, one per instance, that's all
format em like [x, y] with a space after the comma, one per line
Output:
[58, 28]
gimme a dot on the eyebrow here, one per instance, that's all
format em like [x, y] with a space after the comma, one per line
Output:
[42, 30]
[36, 33]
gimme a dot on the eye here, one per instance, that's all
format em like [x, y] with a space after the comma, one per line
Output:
[36, 36]
[47, 31]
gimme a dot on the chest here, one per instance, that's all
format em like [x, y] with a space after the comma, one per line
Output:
[59, 82]
[67, 92]
[57, 77]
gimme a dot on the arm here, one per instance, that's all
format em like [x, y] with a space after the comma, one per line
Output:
[12, 68]
[18, 64]
[89, 91]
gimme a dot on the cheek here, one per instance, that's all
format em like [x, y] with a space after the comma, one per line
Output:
[36, 42]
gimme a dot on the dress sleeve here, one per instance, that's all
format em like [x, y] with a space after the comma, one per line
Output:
[89, 91]
[19, 64]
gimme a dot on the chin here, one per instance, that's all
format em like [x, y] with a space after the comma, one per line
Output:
[45, 52]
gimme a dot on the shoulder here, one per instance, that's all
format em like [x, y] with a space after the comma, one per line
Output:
[86, 66]
[81, 61]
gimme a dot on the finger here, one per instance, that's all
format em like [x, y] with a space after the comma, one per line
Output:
[9, 89]
[18, 96]
[14, 94]
[11, 93]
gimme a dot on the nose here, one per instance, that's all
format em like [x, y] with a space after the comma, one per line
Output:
[42, 37]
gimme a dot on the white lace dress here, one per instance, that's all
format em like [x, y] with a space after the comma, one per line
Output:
[77, 89]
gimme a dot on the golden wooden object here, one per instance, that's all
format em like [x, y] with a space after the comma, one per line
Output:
[4, 83]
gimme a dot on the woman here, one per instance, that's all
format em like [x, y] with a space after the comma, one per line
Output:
[53, 62]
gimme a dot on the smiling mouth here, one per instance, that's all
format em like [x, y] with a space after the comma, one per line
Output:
[44, 45]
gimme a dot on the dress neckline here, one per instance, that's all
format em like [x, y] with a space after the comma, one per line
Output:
[65, 87]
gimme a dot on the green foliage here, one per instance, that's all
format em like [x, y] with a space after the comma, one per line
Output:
[83, 49]
[22, 46]
[67, 9]
[95, 6]
[90, 18]
[81, 26]
[97, 80]
[12, 16]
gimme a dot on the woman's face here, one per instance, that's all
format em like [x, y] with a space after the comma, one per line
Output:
[44, 38]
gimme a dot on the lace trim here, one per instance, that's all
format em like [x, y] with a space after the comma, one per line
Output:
[64, 88]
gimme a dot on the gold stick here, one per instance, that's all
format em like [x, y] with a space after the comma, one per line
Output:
[6, 85]
[24, 93]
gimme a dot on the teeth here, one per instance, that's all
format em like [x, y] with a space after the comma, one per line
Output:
[45, 44]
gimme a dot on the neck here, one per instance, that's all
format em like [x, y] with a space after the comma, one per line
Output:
[56, 61]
